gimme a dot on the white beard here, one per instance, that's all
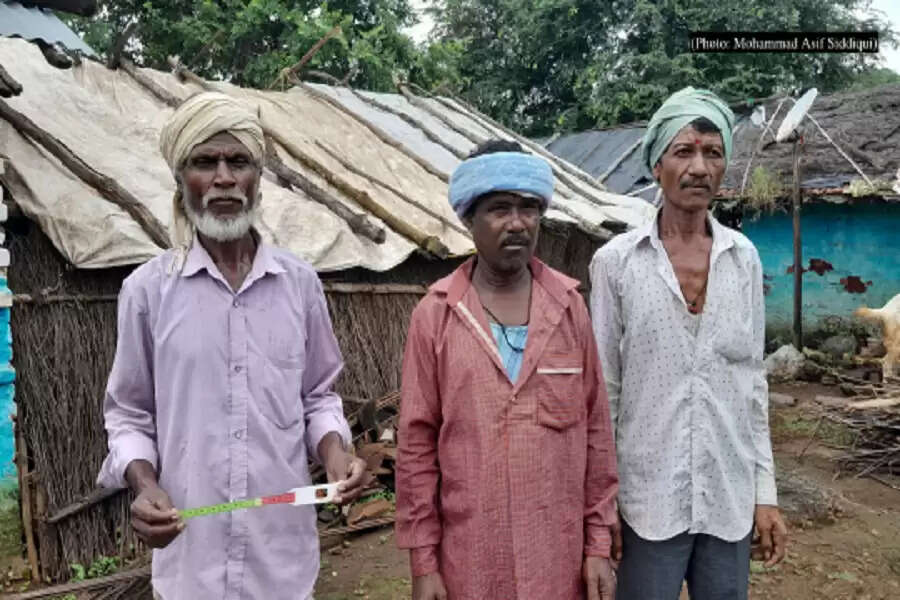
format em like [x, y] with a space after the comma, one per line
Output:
[220, 229]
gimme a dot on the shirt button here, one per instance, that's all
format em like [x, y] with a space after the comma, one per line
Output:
[237, 368]
[237, 435]
[237, 303]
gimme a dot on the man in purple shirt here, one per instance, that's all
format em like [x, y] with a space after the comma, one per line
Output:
[221, 385]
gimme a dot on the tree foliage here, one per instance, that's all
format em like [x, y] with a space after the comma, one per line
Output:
[249, 42]
[550, 65]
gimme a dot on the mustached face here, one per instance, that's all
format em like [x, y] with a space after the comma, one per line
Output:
[220, 188]
[505, 229]
[221, 226]
[691, 169]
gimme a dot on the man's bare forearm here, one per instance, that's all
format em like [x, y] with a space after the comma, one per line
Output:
[140, 475]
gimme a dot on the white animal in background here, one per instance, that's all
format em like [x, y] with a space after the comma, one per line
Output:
[889, 317]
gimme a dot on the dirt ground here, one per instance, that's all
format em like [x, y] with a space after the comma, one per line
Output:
[847, 550]
[844, 532]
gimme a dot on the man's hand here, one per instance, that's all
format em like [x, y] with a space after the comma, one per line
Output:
[616, 531]
[772, 534]
[599, 578]
[429, 587]
[154, 519]
[342, 466]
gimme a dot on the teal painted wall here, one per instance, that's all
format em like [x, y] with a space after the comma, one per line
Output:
[861, 244]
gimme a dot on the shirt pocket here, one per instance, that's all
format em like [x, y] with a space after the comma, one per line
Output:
[282, 392]
[560, 379]
[283, 364]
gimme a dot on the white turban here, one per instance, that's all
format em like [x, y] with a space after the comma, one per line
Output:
[196, 120]
[204, 115]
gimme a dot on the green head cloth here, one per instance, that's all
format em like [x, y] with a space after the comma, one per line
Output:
[681, 108]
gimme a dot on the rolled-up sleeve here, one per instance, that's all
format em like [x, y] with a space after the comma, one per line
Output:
[129, 408]
[322, 407]
[766, 492]
[418, 475]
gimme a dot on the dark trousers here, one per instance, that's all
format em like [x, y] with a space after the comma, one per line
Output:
[714, 569]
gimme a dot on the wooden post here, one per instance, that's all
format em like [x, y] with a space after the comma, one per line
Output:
[25, 498]
[798, 251]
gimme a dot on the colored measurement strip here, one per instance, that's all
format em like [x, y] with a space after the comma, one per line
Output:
[236, 505]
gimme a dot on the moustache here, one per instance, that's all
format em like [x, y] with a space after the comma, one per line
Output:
[517, 240]
[233, 195]
[694, 183]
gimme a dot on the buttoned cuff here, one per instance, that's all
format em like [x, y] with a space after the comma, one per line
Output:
[126, 449]
[766, 491]
[423, 560]
[597, 541]
[322, 425]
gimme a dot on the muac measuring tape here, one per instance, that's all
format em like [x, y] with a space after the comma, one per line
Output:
[311, 494]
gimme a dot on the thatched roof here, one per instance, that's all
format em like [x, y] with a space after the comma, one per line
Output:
[384, 159]
[865, 125]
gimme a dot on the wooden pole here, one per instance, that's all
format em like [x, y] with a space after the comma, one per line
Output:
[798, 251]
[25, 498]
[292, 71]
[359, 222]
[108, 187]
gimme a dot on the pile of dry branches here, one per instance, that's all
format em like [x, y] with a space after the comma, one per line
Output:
[875, 424]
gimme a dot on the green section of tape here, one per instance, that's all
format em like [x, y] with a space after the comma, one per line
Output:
[219, 508]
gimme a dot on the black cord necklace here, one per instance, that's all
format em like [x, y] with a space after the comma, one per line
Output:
[503, 327]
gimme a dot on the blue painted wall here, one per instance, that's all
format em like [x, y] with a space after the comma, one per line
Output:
[861, 241]
[7, 392]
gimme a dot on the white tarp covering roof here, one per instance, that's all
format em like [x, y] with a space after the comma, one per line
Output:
[112, 122]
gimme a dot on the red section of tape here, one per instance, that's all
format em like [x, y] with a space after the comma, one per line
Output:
[282, 499]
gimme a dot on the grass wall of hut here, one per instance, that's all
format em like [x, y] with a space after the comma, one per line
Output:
[851, 257]
[64, 349]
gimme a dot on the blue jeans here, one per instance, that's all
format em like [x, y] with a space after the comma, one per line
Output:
[714, 569]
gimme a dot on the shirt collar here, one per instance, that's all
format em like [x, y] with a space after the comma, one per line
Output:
[723, 238]
[198, 259]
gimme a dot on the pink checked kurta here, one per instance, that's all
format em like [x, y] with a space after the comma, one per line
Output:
[501, 487]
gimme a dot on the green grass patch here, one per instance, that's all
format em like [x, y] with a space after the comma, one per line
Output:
[10, 521]
[791, 426]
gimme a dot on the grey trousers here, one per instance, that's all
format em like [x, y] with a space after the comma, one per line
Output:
[714, 569]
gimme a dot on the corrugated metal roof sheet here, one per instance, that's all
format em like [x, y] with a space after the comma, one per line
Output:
[37, 24]
[596, 151]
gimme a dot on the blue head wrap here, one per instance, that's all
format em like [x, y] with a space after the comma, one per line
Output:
[515, 172]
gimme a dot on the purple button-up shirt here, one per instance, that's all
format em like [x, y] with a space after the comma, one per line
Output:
[227, 394]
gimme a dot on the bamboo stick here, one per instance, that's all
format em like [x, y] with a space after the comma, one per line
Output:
[109, 188]
[427, 242]
[154, 88]
[8, 85]
[397, 192]
[83, 586]
[95, 497]
[286, 74]
[25, 498]
[359, 223]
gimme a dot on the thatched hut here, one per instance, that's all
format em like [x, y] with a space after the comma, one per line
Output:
[355, 184]
[849, 225]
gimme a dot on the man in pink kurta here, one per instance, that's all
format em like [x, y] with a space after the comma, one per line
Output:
[506, 479]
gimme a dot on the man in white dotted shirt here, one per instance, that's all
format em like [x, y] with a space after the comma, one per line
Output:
[679, 319]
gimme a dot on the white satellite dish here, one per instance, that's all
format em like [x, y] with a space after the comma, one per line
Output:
[795, 115]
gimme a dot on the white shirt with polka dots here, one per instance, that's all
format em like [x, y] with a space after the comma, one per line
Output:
[689, 400]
